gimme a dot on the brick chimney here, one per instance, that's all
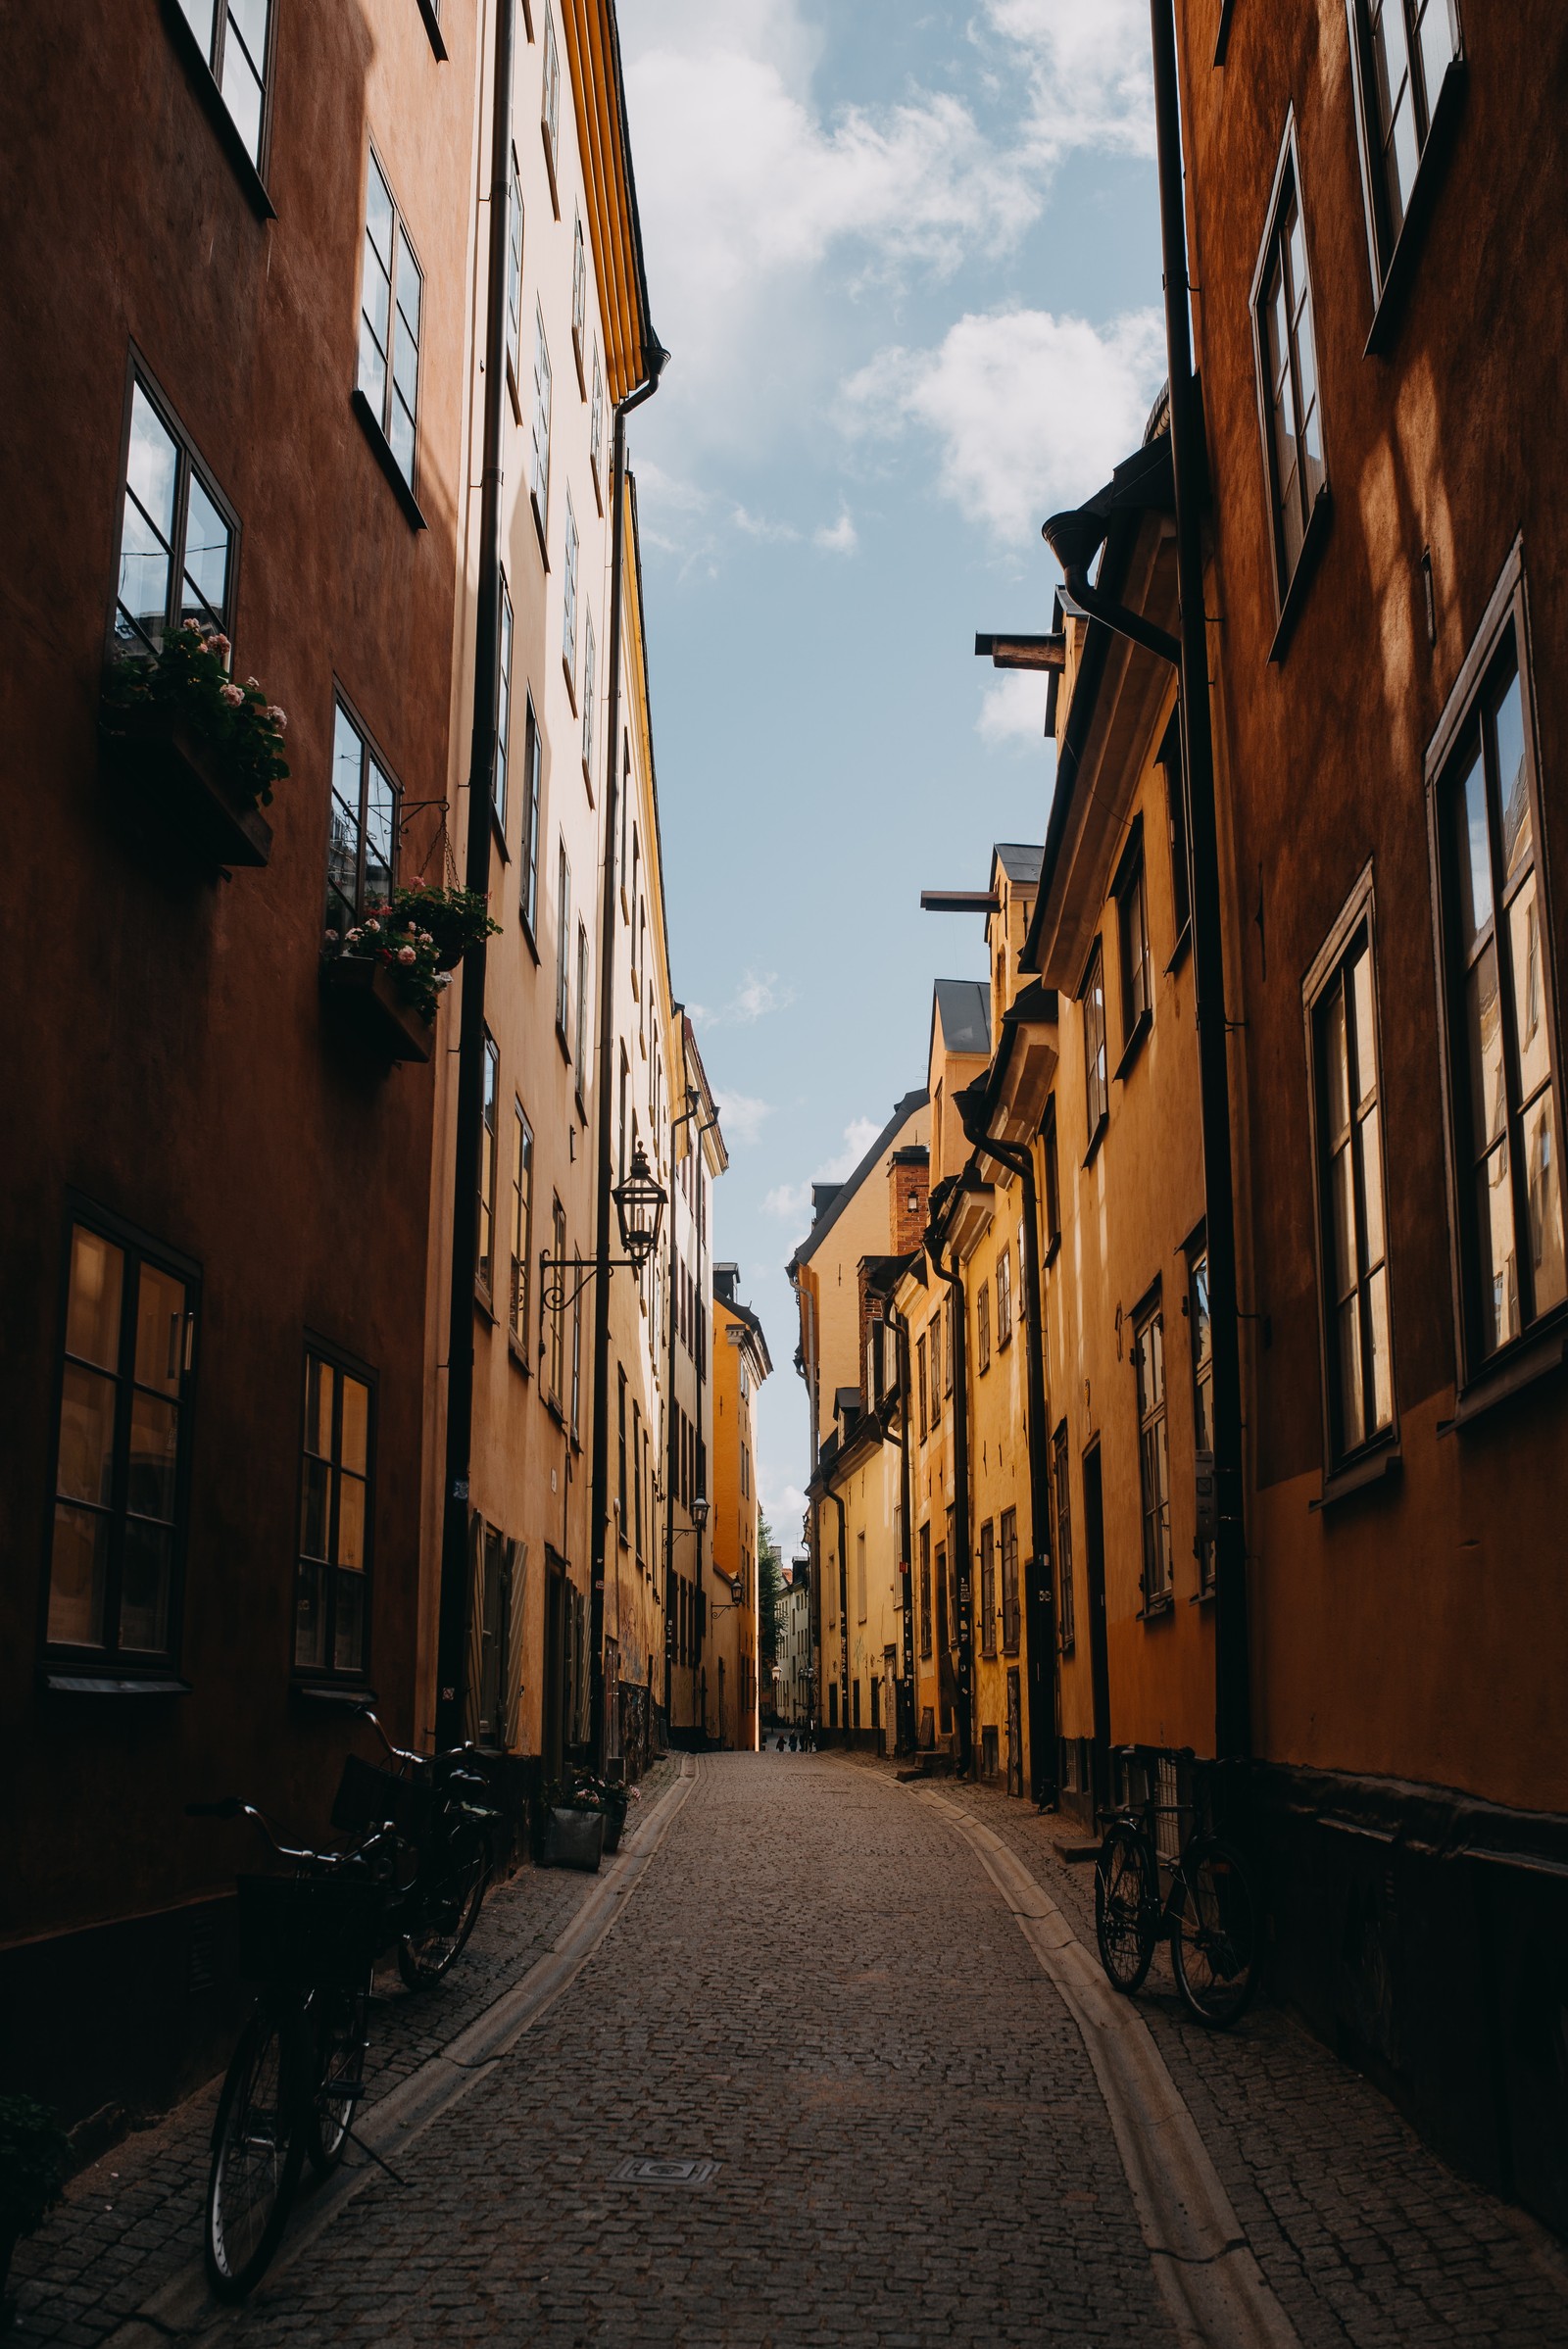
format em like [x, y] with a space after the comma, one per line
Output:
[909, 1178]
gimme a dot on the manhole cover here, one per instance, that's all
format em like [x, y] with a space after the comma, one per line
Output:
[643, 2171]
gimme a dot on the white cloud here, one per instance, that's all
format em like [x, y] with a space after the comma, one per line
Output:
[789, 1201]
[859, 1136]
[755, 525]
[743, 1116]
[1029, 411]
[1014, 708]
[758, 993]
[784, 1507]
[1090, 72]
[837, 538]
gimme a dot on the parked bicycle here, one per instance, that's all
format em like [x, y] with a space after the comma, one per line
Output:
[1200, 1901]
[311, 1939]
[438, 1807]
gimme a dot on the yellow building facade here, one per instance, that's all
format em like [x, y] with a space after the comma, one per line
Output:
[741, 1362]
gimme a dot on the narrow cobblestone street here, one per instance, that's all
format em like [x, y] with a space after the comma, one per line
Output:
[816, 1988]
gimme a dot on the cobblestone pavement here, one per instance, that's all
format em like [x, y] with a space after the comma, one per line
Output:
[133, 2219]
[1362, 2232]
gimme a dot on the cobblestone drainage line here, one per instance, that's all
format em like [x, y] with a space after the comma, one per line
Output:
[1208, 2274]
[183, 2310]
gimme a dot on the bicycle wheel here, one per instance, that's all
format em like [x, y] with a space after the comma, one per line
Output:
[1124, 1900]
[341, 2033]
[448, 1901]
[1213, 1935]
[258, 2149]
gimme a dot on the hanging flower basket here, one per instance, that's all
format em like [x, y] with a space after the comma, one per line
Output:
[452, 919]
[199, 749]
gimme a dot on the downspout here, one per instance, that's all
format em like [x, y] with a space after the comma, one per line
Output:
[1038, 1618]
[452, 1616]
[671, 1439]
[599, 1490]
[900, 1338]
[960, 1515]
[701, 1333]
[844, 1621]
[1232, 1670]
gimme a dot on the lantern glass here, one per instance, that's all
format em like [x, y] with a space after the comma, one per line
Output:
[640, 1208]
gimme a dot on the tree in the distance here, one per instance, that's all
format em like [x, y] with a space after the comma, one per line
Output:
[769, 1591]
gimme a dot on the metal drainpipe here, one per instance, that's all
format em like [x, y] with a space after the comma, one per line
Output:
[452, 1615]
[672, 1438]
[843, 1622]
[1038, 1611]
[900, 1338]
[1232, 1670]
[963, 1564]
[599, 1487]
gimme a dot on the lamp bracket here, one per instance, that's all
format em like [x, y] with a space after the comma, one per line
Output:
[558, 1291]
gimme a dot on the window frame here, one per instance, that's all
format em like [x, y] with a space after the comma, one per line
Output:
[1052, 1184]
[1097, 1096]
[1203, 1367]
[400, 229]
[1288, 574]
[580, 1030]
[522, 1229]
[516, 226]
[927, 1634]
[188, 461]
[989, 1609]
[982, 1328]
[1172, 762]
[500, 778]
[1062, 1473]
[563, 946]
[253, 168]
[1004, 1294]
[590, 701]
[333, 1674]
[1010, 1587]
[550, 106]
[105, 1661]
[539, 431]
[528, 845]
[1481, 1378]
[579, 301]
[1388, 244]
[1134, 955]
[369, 755]
[484, 1256]
[1330, 970]
[1153, 1426]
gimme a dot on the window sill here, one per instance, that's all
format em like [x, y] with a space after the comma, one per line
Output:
[388, 463]
[1066, 1646]
[1527, 1362]
[582, 1109]
[498, 833]
[432, 26]
[215, 107]
[599, 495]
[1389, 306]
[102, 1680]
[1095, 1141]
[550, 166]
[561, 1039]
[527, 934]
[1052, 1251]
[482, 1304]
[1002, 1344]
[1158, 1610]
[553, 1406]
[1294, 597]
[329, 1696]
[518, 1353]
[539, 528]
[588, 781]
[1182, 948]
[571, 683]
[1360, 1475]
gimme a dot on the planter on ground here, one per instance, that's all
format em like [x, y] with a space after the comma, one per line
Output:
[573, 1838]
[178, 778]
[368, 1003]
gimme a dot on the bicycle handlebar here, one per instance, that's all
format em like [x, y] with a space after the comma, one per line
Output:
[231, 1807]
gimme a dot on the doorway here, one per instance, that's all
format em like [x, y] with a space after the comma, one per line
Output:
[944, 1655]
[553, 1728]
[1099, 1647]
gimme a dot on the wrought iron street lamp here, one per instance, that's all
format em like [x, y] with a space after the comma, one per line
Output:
[639, 1210]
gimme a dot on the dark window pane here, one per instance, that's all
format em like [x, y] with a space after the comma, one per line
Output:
[1488, 1095]
[146, 1575]
[355, 1442]
[199, 14]
[1544, 1180]
[207, 545]
[160, 1307]
[348, 1639]
[310, 1619]
[1496, 1273]
[1471, 857]
[86, 1436]
[78, 1566]
[93, 1316]
[350, 1521]
[380, 834]
[154, 1439]
[242, 94]
[1513, 781]
[315, 1512]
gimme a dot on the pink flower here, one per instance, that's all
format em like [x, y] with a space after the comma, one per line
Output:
[280, 718]
[252, 685]
[331, 938]
[190, 627]
[351, 938]
[426, 938]
[415, 883]
[220, 646]
[234, 695]
[406, 953]
[373, 925]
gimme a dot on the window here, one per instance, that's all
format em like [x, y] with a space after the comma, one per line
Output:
[936, 1370]
[1403, 50]
[950, 1327]
[582, 1011]
[1097, 1085]
[988, 1589]
[558, 1311]
[982, 1328]
[636, 927]
[362, 841]
[532, 762]
[1154, 1466]
[1004, 1298]
[502, 707]
[1065, 1612]
[122, 1452]
[1181, 867]
[515, 288]
[568, 602]
[1352, 1221]
[176, 536]
[625, 1079]
[331, 1603]
[637, 1487]
[577, 1355]
[1132, 926]
[620, 1487]
[1203, 1394]
[596, 431]
[860, 1578]
[588, 702]
[1010, 1615]
[232, 35]
[1047, 1135]
[391, 294]
[562, 944]
[921, 1383]
[550, 106]
[522, 1225]
[925, 1590]
[1287, 363]
[1500, 1010]
[485, 1270]
[579, 304]
[539, 431]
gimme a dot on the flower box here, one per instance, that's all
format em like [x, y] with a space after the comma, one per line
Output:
[573, 1838]
[369, 1004]
[178, 776]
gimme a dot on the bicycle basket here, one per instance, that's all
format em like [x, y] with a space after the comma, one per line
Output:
[311, 1932]
[367, 1796]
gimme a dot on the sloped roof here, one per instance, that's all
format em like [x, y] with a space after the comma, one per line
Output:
[1020, 860]
[903, 1109]
[963, 1007]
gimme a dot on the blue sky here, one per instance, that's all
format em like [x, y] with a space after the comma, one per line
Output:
[907, 262]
